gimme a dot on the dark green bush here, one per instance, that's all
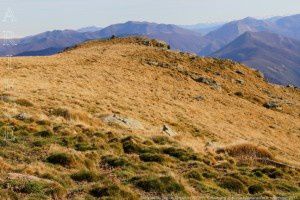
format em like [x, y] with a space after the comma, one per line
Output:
[254, 189]
[232, 184]
[148, 157]
[60, 159]
[84, 176]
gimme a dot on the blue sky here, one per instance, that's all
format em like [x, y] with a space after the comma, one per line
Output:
[34, 16]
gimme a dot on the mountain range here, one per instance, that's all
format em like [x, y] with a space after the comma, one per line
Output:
[275, 55]
[222, 40]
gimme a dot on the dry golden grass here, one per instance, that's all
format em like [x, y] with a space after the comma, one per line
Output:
[247, 150]
[115, 76]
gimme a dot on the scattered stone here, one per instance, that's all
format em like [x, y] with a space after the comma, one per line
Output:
[259, 74]
[272, 105]
[239, 94]
[199, 98]
[22, 116]
[166, 129]
[6, 98]
[156, 63]
[208, 81]
[240, 81]
[123, 121]
[290, 86]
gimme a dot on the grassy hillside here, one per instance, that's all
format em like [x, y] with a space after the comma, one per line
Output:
[130, 119]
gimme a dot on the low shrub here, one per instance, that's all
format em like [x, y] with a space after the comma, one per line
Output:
[60, 159]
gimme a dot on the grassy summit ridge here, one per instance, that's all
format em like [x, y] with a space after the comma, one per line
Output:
[128, 119]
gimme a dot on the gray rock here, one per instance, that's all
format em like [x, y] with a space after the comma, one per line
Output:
[6, 98]
[122, 121]
[240, 81]
[272, 105]
[22, 116]
[208, 81]
[291, 86]
[167, 130]
[199, 98]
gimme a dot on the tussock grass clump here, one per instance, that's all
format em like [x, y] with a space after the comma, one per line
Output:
[84, 147]
[62, 112]
[131, 146]
[247, 151]
[34, 187]
[114, 161]
[163, 185]
[45, 133]
[62, 159]
[255, 189]
[24, 102]
[161, 140]
[84, 175]
[232, 184]
[271, 172]
[194, 174]
[180, 154]
[70, 114]
[111, 192]
[149, 157]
